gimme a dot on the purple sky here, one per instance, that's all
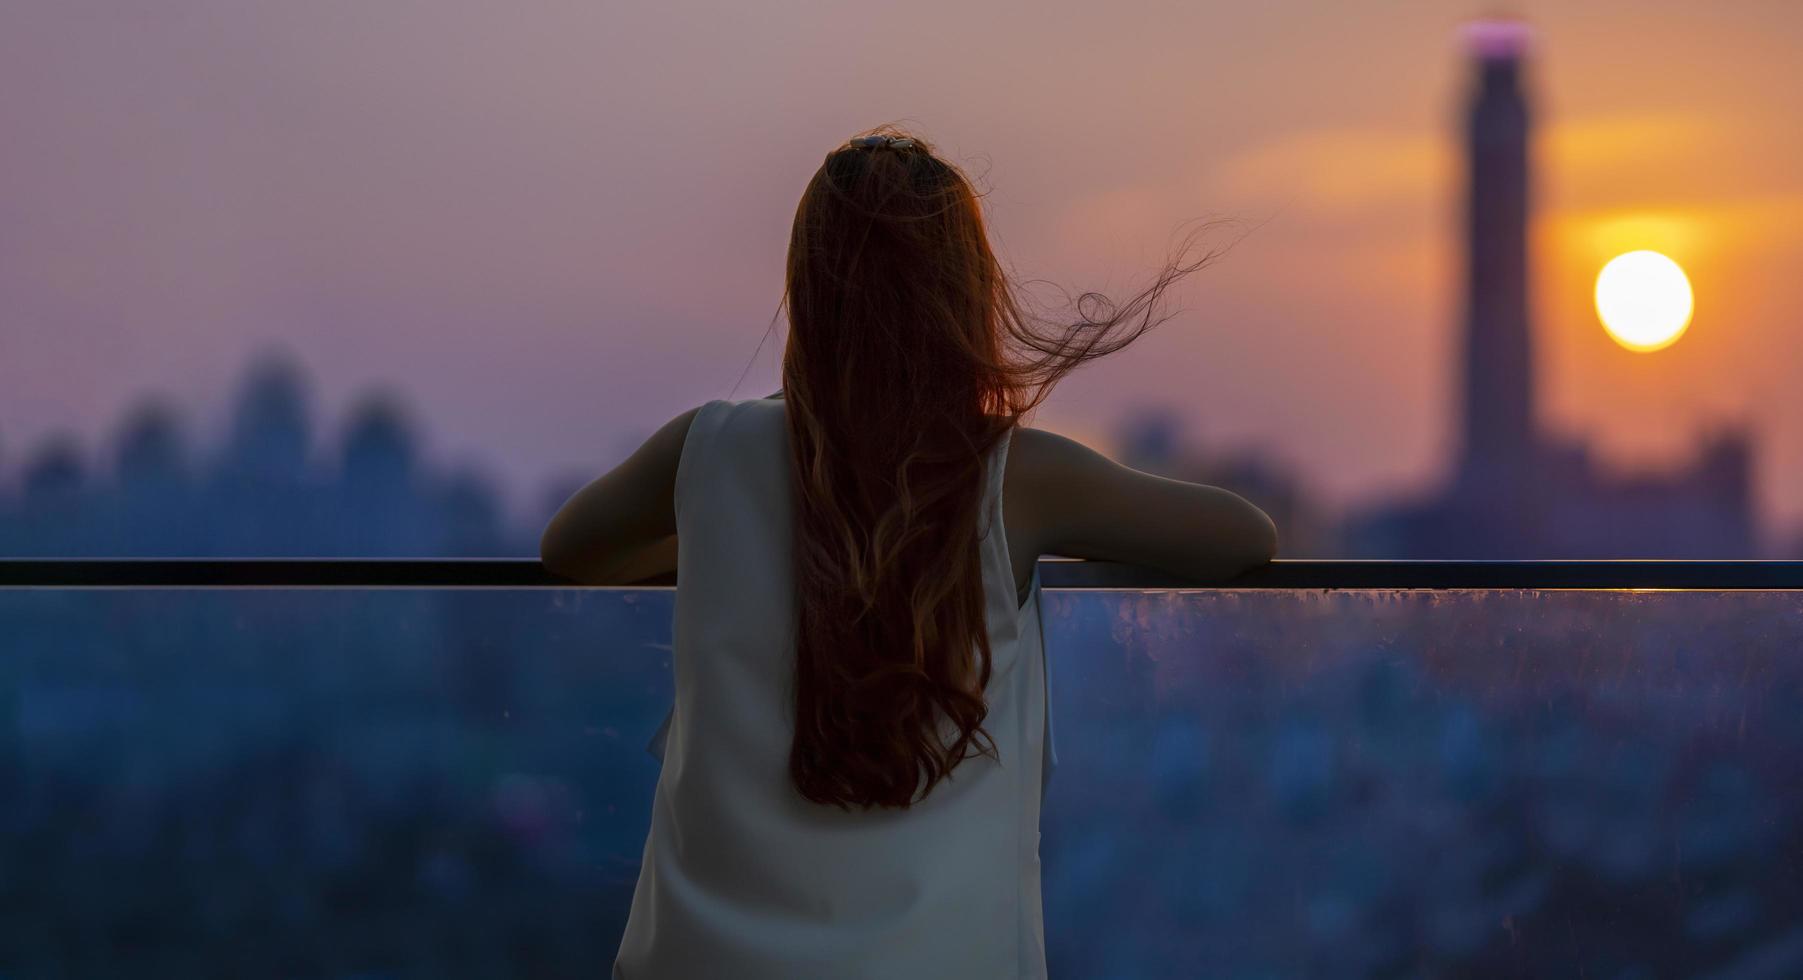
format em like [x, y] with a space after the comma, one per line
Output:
[552, 225]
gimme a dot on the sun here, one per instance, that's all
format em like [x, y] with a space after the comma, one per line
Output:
[1644, 301]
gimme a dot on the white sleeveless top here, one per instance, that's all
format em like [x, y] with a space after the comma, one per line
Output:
[744, 878]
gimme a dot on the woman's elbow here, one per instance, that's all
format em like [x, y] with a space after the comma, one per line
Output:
[1261, 540]
[552, 553]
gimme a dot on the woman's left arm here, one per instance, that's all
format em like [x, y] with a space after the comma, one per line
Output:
[620, 529]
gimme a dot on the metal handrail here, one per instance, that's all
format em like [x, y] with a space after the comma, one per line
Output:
[1055, 573]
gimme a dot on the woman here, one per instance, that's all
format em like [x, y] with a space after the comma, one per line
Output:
[854, 763]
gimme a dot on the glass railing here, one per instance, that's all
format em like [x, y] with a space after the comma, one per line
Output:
[1330, 769]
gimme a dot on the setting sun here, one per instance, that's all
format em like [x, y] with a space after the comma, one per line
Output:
[1644, 300]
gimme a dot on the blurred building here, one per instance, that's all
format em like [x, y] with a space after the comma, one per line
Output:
[1514, 491]
[268, 491]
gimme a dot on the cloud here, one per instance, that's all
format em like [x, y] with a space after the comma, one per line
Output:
[1605, 145]
[1687, 231]
[1351, 172]
[1338, 172]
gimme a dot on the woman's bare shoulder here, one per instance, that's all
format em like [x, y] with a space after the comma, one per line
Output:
[1039, 462]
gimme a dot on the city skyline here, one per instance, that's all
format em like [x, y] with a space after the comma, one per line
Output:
[515, 246]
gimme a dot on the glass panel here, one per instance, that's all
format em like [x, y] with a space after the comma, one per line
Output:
[455, 784]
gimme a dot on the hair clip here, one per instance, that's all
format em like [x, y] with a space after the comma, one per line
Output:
[893, 142]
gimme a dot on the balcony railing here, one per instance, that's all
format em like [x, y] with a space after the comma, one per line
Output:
[1055, 573]
[375, 768]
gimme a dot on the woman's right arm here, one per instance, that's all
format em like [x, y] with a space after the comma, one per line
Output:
[1081, 504]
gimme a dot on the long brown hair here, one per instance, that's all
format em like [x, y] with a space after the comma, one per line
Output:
[910, 354]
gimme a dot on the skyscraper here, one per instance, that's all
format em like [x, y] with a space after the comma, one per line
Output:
[1498, 451]
[1516, 489]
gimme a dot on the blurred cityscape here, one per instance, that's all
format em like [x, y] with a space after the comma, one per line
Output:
[1512, 491]
[264, 492]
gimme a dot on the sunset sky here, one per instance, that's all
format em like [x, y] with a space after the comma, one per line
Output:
[551, 224]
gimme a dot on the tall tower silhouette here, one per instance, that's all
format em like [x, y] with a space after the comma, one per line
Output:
[1518, 491]
[1499, 444]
